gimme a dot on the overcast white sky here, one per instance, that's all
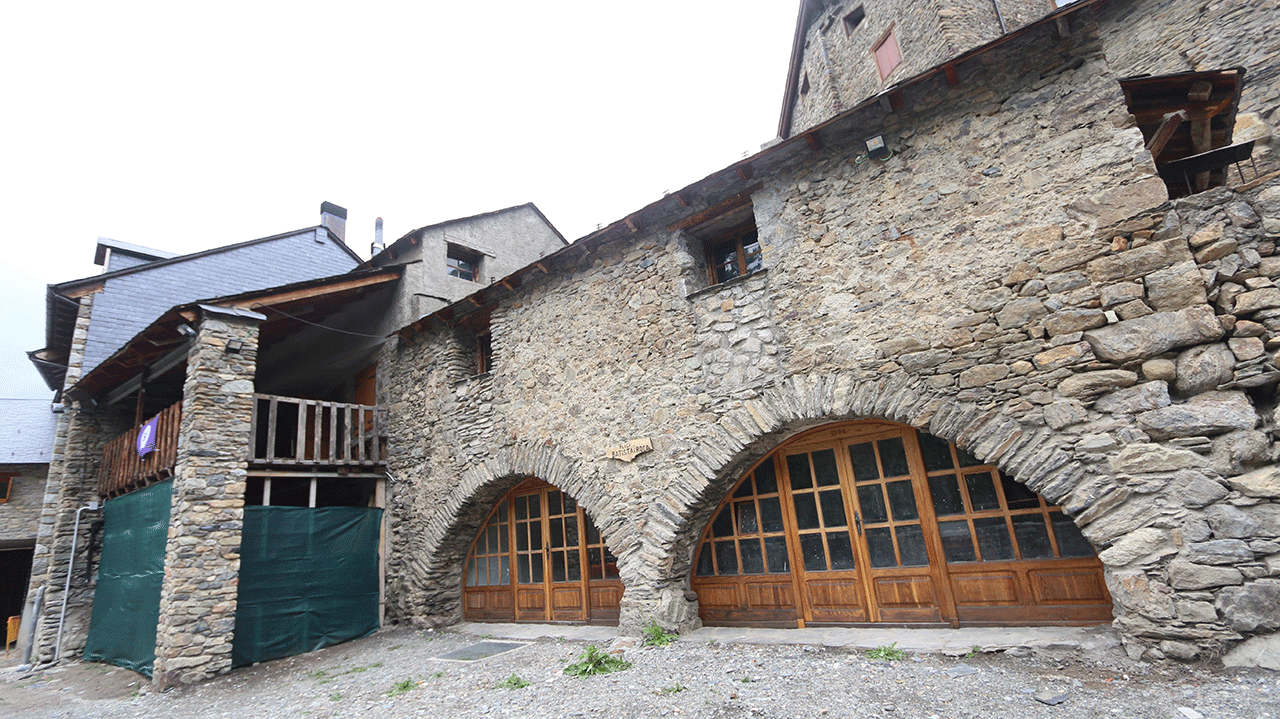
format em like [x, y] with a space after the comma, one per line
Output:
[185, 126]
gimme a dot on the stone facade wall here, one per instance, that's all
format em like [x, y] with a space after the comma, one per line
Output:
[202, 555]
[20, 516]
[82, 432]
[1167, 36]
[1017, 287]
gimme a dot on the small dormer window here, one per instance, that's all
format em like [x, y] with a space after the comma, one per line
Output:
[463, 264]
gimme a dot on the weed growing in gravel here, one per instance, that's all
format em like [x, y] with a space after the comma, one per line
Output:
[335, 697]
[437, 675]
[594, 661]
[887, 653]
[746, 680]
[357, 670]
[513, 682]
[973, 651]
[402, 686]
[674, 688]
[656, 636]
[392, 649]
[321, 676]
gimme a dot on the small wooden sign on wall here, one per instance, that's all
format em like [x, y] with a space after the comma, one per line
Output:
[629, 451]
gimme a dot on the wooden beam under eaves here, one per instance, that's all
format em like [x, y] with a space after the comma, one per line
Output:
[745, 172]
[542, 267]
[634, 224]
[684, 199]
[891, 101]
[1165, 132]
[953, 77]
[477, 299]
[813, 140]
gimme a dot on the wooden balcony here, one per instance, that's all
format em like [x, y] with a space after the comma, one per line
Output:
[123, 471]
[292, 432]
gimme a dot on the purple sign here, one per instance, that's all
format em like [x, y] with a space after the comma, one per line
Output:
[147, 437]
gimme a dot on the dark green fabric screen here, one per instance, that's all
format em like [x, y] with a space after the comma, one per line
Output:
[126, 602]
[308, 579]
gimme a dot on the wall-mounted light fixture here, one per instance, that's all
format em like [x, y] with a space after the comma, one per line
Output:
[234, 347]
[186, 331]
[877, 150]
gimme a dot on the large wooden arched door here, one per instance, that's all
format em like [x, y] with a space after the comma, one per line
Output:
[538, 558]
[873, 522]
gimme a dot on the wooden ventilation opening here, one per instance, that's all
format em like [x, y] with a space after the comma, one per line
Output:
[538, 557]
[871, 521]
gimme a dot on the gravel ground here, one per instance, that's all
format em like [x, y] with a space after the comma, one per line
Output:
[398, 673]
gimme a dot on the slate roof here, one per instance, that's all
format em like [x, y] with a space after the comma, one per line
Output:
[131, 298]
[27, 427]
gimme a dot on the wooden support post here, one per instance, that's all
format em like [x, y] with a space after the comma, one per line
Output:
[1164, 133]
[953, 77]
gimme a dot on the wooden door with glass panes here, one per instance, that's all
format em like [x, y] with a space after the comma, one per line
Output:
[872, 521]
[538, 557]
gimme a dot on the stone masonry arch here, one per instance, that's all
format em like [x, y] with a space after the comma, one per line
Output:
[428, 590]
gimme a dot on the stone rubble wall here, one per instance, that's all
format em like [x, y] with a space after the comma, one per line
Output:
[1158, 37]
[202, 554]
[1009, 280]
[20, 516]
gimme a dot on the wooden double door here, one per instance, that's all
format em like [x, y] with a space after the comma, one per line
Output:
[538, 558]
[873, 522]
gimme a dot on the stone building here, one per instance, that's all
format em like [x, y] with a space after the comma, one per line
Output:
[26, 441]
[981, 369]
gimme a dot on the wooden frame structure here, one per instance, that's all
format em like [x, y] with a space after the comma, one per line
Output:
[122, 470]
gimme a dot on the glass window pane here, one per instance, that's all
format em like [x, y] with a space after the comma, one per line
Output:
[982, 491]
[522, 507]
[492, 577]
[571, 530]
[863, 458]
[535, 536]
[911, 546]
[1016, 494]
[893, 457]
[806, 511]
[557, 532]
[833, 508]
[871, 499]
[593, 562]
[880, 545]
[993, 539]
[573, 561]
[815, 556]
[1032, 536]
[946, 495]
[1071, 543]
[522, 537]
[744, 488]
[557, 566]
[766, 478]
[775, 548]
[957, 544]
[936, 452]
[798, 468]
[841, 550]
[505, 578]
[824, 468]
[504, 543]
[491, 542]
[593, 534]
[610, 565]
[553, 503]
[471, 573]
[522, 568]
[723, 526]
[752, 561]
[902, 500]
[770, 514]
[726, 558]
[747, 523]
[502, 512]
[535, 565]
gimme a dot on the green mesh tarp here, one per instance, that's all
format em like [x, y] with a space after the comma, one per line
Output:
[126, 603]
[308, 579]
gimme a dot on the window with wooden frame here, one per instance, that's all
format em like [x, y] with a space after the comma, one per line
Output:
[484, 352]
[463, 263]
[853, 20]
[6, 484]
[886, 52]
[733, 254]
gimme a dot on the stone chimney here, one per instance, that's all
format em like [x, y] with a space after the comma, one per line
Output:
[334, 218]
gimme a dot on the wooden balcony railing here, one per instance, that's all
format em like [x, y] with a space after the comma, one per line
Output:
[289, 431]
[123, 471]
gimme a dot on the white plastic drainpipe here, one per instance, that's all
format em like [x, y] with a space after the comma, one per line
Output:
[66, 590]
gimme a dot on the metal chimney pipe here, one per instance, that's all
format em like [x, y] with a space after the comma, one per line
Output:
[377, 245]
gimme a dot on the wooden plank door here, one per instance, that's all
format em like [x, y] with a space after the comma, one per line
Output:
[903, 584]
[823, 553]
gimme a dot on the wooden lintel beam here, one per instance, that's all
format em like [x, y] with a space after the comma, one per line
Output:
[476, 299]
[634, 224]
[953, 77]
[542, 267]
[745, 172]
[1165, 132]
[684, 199]
[813, 140]
[733, 203]
[188, 315]
[326, 289]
